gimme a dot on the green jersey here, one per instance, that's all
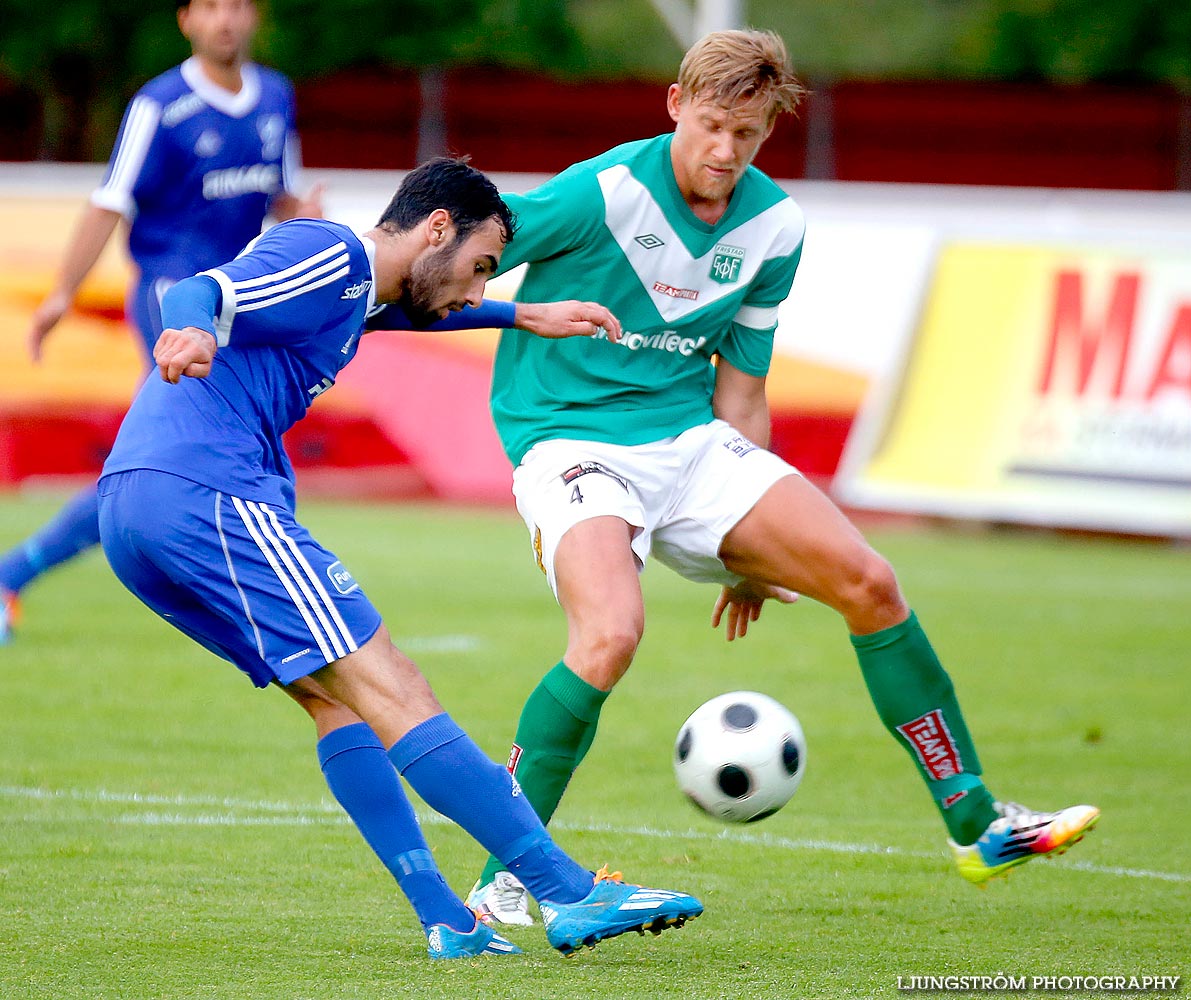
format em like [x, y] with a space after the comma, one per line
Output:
[616, 230]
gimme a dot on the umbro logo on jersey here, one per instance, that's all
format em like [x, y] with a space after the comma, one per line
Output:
[356, 290]
[649, 241]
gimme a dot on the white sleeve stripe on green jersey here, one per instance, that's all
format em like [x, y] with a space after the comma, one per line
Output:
[756, 317]
[637, 223]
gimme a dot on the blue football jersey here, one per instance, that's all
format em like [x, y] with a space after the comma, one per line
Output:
[195, 167]
[287, 315]
[290, 311]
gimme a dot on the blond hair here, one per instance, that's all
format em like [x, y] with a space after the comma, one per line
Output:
[733, 66]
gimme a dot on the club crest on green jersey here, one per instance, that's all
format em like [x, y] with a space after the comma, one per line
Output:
[726, 264]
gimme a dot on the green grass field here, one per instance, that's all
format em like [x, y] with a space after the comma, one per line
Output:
[165, 831]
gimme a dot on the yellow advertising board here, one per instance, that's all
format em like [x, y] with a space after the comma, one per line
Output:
[1043, 384]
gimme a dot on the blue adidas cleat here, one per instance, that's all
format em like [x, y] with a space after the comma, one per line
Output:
[614, 907]
[446, 942]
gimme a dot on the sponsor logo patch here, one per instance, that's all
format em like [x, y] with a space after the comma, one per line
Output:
[341, 578]
[932, 742]
[587, 468]
[356, 290]
[950, 800]
[514, 757]
[675, 293]
[294, 656]
[260, 178]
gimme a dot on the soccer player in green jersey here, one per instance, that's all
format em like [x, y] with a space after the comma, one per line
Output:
[657, 445]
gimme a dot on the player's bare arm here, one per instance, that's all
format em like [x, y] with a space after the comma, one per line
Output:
[188, 352]
[572, 318]
[95, 228]
[740, 400]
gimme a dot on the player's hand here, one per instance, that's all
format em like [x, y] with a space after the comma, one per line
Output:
[45, 318]
[186, 352]
[310, 206]
[743, 604]
[555, 320]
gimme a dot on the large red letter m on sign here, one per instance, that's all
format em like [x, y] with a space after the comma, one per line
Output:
[1081, 346]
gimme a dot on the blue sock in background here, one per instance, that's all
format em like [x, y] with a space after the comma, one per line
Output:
[455, 777]
[363, 781]
[74, 528]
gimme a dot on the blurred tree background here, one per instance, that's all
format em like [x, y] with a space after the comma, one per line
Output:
[83, 59]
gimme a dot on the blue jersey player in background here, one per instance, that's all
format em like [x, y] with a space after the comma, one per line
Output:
[196, 510]
[205, 152]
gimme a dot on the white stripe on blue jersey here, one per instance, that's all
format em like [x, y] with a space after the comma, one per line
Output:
[244, 295]
[139, 128]
[227, 306]
[315, 582]
[308, 287]
[251, 523]
[231, 570]
[288, 272]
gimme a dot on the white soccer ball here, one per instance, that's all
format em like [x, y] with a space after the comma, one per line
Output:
[740, 756]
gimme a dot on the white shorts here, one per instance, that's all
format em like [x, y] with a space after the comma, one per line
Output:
[682, 494]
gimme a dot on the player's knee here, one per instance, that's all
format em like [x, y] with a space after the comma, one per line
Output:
[604, 654]
[870, 598]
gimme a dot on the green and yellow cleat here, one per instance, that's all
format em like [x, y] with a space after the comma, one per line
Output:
[1020, 835]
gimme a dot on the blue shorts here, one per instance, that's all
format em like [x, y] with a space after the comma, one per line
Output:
[241, 577]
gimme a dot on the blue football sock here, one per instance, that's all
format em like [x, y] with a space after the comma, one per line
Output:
[361, 777]
[74, 528]
[454, 777]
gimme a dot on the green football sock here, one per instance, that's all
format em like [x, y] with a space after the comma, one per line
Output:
[916, 701]
[557, 726]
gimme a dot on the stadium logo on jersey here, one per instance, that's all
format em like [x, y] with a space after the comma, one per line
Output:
[932, 742]
[260, 178]
[271, 129]
[675, 293]
[649, 241]
[726, 263]
[209, 143]
[341, 578]
[356, 290]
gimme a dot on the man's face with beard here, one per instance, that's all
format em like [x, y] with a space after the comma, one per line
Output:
[446, 278]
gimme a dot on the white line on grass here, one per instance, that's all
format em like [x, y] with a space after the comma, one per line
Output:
[329, 814]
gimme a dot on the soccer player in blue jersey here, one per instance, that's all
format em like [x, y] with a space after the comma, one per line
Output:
[206, 151]
[196, 510]
[657, 446]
